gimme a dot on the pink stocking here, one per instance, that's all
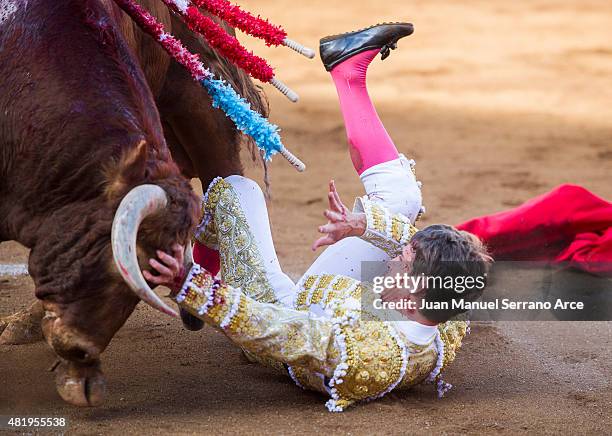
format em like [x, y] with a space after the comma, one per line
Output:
[369, 142]
[207, 258]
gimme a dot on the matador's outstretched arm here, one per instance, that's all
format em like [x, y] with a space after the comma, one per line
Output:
[295, 338]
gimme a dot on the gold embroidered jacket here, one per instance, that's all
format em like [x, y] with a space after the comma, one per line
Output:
[339, 354]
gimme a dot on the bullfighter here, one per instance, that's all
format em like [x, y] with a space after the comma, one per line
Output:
[315, 330]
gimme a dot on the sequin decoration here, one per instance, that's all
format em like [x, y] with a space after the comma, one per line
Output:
[387, 231]
[241, 262]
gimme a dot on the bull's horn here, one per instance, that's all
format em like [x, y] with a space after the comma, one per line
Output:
[139, 203]
[189, 254]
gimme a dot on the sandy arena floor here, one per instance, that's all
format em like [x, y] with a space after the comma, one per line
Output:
[497, 102]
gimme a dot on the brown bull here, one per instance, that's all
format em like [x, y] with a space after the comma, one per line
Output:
[79, 129]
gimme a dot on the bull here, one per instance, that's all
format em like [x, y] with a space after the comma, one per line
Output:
[100, 132]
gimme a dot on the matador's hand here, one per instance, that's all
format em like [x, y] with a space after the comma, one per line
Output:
[170, 269]
[341, 223]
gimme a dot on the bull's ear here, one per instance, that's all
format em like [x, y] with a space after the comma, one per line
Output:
[128, 172]
[134, 163]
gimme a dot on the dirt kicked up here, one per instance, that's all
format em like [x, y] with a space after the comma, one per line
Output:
[497, 102]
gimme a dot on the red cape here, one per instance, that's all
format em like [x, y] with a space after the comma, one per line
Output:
[568, 224]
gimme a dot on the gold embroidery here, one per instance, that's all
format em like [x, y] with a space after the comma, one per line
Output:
[324, 282]
[300, 302]
[421, 361]
[389, 239]
[203, 280]
[241, 323]
[411, 230]
[356, 293]
[309, 282]
[379, 218]
[372, 351]
[397, 228]
[341, 283]
[309, 379]
[207, 231]
[241, 262]
[374, 361]
[452, 334]
[194, 299]
[222, 305]
[341, 290]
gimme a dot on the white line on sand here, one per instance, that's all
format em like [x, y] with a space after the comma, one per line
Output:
[13, 269]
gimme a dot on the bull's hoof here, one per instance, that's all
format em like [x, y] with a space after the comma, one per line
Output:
[23, 327]
[83, 386]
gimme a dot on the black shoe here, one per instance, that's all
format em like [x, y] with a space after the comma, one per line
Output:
[190, 322]
[338, 48]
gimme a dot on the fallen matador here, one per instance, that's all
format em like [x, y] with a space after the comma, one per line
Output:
[313, 330]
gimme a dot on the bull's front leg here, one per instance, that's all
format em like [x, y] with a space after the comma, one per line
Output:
[23, 327]
[78, 383]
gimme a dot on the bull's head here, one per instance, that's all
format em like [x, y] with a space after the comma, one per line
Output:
[157, 208]
[138, 204]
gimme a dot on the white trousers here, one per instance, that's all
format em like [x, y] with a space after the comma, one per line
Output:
[392, 184]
